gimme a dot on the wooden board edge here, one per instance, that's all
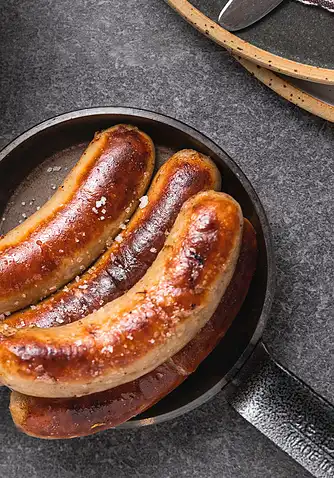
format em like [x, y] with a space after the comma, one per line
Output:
[246, 50]
[288, 91]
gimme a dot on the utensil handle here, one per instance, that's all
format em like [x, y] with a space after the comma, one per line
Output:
[287, 411]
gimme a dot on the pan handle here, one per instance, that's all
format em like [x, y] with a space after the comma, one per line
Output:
[286, 410]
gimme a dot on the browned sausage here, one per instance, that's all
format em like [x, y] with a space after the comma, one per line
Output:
[124, 263]
[67, 418]
[147, 325]
[72, 228]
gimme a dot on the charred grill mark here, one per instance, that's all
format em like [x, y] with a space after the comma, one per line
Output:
[198, 258]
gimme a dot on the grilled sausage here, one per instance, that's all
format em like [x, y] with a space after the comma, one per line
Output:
[124, 263]
[74, 417]
[147, 325]
[72, 228]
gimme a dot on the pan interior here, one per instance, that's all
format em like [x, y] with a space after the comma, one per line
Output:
[31, 171]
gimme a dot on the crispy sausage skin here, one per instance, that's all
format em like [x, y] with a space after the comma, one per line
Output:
[137, 332]
[185, 174]
[72, 228]
[74, 417]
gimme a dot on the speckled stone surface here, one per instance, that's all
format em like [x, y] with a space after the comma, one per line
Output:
[60, 56]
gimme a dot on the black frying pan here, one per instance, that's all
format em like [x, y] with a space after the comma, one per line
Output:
[271, 398]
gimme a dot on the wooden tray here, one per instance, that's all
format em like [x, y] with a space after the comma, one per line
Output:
[317, 99]
[267, 59]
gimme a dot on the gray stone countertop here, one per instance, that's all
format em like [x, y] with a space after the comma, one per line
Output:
[60, 56]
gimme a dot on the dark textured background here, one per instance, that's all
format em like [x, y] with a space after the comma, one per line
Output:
[59, 56]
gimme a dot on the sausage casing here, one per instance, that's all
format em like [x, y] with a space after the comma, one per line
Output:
[124, 263]
[147, 325]
[72, 228]
[73, 417]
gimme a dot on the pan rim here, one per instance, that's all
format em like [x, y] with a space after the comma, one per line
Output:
[251, 193]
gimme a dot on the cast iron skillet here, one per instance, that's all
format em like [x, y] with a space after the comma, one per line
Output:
[268, 396]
